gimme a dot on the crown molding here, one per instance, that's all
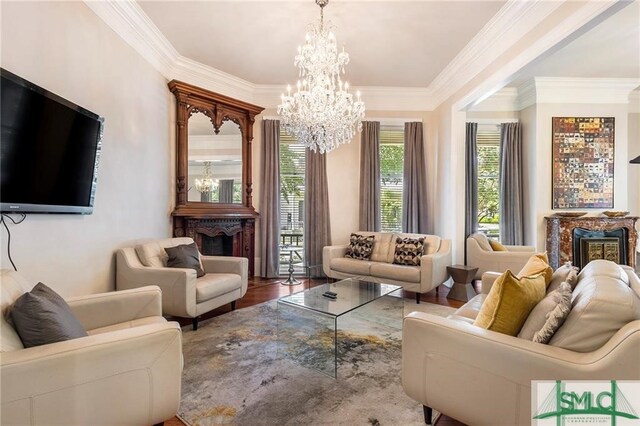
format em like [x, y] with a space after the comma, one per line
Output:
[558, 90]
[514, 20]
[505, 99]
[129, 21]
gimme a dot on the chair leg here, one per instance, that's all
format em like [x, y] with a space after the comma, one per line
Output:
[233, 305]
[159, 424]
[428, 412]
[194, 323]
[418, 297]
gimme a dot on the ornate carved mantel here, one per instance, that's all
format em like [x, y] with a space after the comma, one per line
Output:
[560, 235]
[199, 219]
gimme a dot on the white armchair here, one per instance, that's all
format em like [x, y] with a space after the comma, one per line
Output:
[127, 371]
[183, 294]
[481, 255]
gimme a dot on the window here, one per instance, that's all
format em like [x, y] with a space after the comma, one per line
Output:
[391, 176]
[488, 142]
[292, 167]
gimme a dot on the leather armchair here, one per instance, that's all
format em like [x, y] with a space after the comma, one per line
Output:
[127, 371]
[183, 294]
[481, 255]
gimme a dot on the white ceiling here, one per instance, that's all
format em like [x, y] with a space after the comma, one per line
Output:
[610, 49]
[391, 43]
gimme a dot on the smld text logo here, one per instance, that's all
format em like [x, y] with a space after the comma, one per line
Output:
[579, 402]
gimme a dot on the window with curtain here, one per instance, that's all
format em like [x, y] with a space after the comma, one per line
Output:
[391, 169]
[488, 143]
[292, 166]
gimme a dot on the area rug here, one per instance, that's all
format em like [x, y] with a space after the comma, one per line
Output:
[234, 373]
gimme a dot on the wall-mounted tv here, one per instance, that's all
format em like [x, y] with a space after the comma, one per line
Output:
[49, 150]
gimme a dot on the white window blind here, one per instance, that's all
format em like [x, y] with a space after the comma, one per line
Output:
[292, 167]
[391, 176]
[488, 142]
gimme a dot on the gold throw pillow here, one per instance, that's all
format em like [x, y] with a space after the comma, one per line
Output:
[496, 245]
[509, 302]
[538, 263]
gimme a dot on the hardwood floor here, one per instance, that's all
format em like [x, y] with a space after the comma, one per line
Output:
[261, 290]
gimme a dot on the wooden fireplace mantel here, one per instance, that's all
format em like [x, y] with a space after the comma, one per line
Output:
[560, 235]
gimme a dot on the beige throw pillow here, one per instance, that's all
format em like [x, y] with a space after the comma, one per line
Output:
[556, 317]
[566, 273]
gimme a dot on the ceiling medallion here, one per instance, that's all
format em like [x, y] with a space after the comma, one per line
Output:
[321, 113]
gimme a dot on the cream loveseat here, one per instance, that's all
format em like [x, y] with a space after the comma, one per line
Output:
[127, 371]
[482, 377]
[430, 274]
[481, 255]
[183, 294]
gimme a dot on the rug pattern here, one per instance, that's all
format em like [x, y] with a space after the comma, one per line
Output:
[235, 375]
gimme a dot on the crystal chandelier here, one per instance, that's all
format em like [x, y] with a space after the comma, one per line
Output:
[206, 183]
[321, 113]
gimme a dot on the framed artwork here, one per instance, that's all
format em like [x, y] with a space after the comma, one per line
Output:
[583, 157]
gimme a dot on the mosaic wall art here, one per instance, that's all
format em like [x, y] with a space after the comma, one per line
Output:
[583, 154]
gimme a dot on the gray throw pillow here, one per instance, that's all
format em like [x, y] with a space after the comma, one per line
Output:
[539, 316]
[566, 273]
[556, 317]
[184, 256]
[41, 317]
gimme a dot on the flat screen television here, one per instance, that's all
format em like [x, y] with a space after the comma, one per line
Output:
[49, 150]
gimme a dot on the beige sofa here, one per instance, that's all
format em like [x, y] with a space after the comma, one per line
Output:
[430, 274]
[183, 294]
[449, 364]
[481, 255]
[127, 371]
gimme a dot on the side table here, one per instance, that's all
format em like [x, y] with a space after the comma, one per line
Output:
[291, 251]
[462, 288]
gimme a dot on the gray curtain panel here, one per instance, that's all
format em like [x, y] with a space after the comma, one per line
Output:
[511, 201]
[471, 183]
[205, 197]
[414, 195]
[225, 190]
[370, 213]
[270, 200]
[317, 227]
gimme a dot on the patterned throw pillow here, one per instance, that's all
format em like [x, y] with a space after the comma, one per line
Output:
[408, 251]
[360, 247]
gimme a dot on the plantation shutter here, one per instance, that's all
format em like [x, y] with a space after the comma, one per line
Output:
[391, 176]
[292, 168]
[488, 144]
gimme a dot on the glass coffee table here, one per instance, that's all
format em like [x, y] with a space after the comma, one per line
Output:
[308, 321]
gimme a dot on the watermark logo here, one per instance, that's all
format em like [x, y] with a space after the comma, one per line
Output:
[578, 402]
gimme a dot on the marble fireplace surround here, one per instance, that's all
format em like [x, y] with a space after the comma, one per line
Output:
[560, 235]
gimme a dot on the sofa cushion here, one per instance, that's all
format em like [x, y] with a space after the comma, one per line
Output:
[395, 272]
[561, 297]
[129, 324]
[431, 243]
[360, 246]
[566, 273]
[185, 256]
[153, 254]
[509, 302]
[214, 285]
[351, 266]
[408, 251]
[383, 247]
[482, 241]
[538, 263]
[472, 307]
[602, 304]
[41, 317]
[13, 286]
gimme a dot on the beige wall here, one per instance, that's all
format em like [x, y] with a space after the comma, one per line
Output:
[65, 48]
[528, 120]
[634, 169]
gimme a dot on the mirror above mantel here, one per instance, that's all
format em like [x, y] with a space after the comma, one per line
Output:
[214, 202]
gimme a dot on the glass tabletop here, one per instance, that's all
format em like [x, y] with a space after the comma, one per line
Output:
[351, 294]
